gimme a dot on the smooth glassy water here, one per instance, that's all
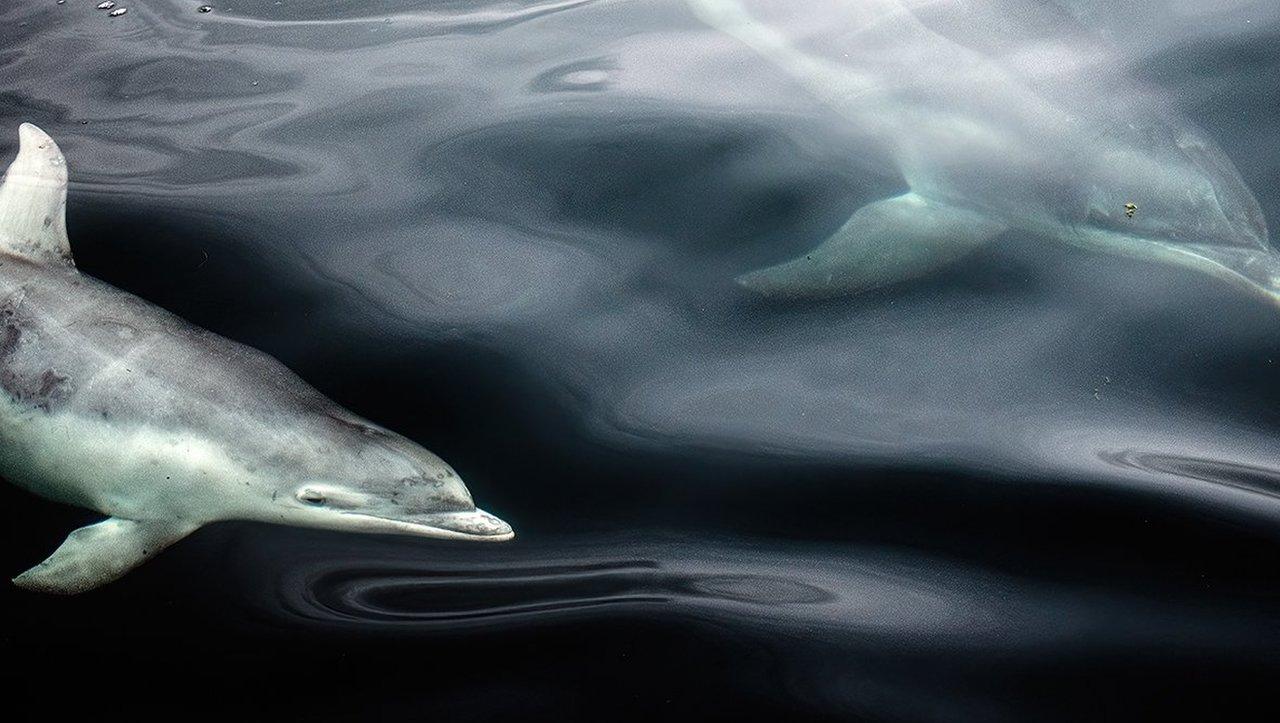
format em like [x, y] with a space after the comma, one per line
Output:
[1039, 483]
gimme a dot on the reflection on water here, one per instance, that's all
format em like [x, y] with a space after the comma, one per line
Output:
[1040, 484]
[425, 597]
[1259, 480]
[863, 595]
[558, 581]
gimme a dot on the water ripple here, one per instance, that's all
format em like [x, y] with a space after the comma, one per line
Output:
[425, 597]
[1248, 478]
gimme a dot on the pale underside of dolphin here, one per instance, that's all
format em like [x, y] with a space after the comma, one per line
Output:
[110, 403]
[984, 152]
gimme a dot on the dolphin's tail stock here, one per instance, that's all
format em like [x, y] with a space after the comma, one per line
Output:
[883, 243]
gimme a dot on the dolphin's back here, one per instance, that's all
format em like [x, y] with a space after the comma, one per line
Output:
[74, 346]
[59, 321]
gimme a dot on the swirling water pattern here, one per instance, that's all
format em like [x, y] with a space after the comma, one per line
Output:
[1040, 485]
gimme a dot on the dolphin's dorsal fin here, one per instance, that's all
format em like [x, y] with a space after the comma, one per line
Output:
[33, 201]
[95, 555]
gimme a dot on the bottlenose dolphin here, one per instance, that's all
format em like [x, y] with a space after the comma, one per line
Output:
[984, 151]
[111, 403]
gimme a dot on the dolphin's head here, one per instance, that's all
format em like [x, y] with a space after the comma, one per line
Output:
[1170, 183]
[375, 481]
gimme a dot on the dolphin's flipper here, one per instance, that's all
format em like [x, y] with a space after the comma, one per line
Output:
[883, 243]
[95, 555]
[33, 201]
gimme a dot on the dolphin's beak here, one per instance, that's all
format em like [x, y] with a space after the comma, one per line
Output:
[476, 525]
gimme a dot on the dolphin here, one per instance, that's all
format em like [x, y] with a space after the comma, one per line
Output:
[984, 151]
[110, 403]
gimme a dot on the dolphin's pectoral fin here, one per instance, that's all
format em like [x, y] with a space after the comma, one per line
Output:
[883, 243]
[95, 555]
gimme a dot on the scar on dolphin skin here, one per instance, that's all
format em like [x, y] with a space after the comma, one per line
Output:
[42, 388]
[164, 405]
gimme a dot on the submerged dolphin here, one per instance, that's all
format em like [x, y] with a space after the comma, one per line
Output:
[110, 403]
[983, 152]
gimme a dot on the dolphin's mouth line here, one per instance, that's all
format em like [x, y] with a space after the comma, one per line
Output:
[473, 525]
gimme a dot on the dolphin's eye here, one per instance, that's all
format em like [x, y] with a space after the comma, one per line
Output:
[312, 497]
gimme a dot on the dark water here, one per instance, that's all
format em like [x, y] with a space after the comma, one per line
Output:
[1039, 485]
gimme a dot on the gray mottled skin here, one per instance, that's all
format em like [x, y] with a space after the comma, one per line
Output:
[985, 149]
[110, 403]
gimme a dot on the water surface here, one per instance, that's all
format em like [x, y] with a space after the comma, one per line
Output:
[1039, 485]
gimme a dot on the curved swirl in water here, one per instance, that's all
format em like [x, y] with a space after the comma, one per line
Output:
[1248, 478]
[424, 597]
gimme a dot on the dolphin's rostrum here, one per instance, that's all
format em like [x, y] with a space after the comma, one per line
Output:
[110, 403]
[983, 151]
